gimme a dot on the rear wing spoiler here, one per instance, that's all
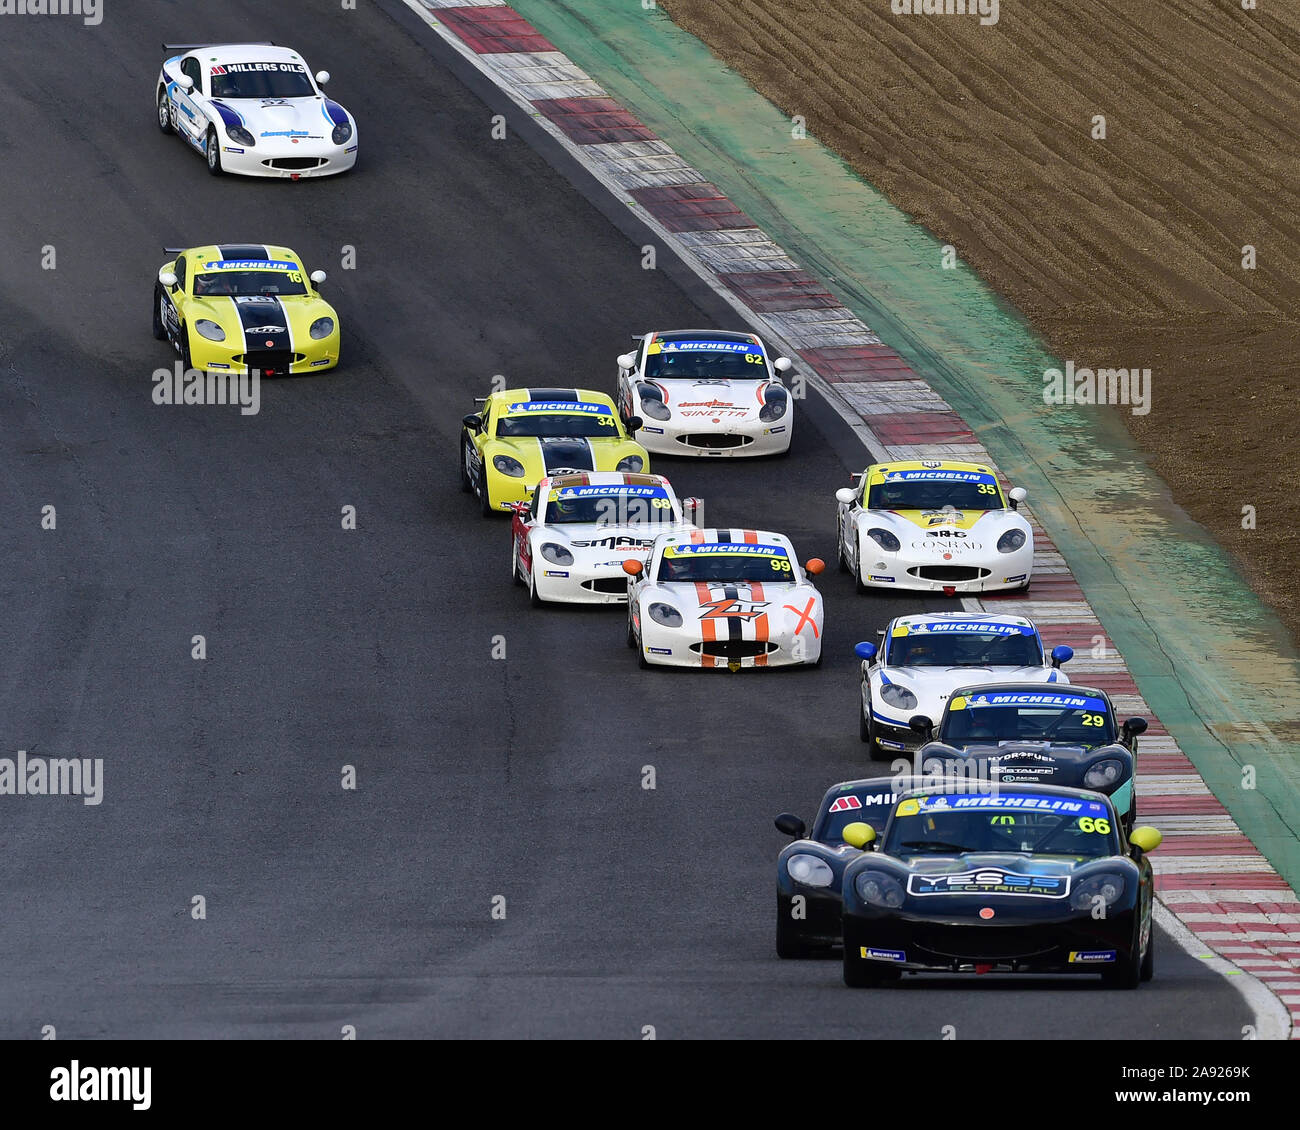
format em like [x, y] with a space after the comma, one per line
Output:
[228, 43]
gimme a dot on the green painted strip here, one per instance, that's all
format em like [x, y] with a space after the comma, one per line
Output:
[1207, 655]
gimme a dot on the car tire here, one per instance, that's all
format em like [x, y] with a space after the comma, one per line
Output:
[641, 660]
[1127, 973]
[841, 561]
[858, 586]
[466, 483]
[515, 565]
[212, 153]
[165, 124]
[1149, 958]
[631, 635]
[484, 498]
[159, 326]
[533, 599]
[790, 945]
[187, 362]
[862, 974]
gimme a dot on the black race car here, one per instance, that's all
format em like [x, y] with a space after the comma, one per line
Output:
[1011, 879]
[808, 871]
[1031, 733]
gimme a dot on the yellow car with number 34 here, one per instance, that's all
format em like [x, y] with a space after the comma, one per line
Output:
[244, 307]
[521, 435]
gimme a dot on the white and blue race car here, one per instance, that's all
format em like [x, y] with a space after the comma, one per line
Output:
[923, 658]
[706, 393]
[255, 109]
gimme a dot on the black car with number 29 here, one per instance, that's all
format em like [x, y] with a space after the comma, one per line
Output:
[1017, 878]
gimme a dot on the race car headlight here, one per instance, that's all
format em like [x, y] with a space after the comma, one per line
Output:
[508, 466]
[876, 888]
[1103, 774]
[341, 133]
[241, 135]
[775, 404]
[810, 871]
[898, 696]
[321, 327]
[631, 463]
[666, 615]
[1109, 887]
[555, 554]
[655, 409]
[1011, 541]
[884, 539]
[210, 330]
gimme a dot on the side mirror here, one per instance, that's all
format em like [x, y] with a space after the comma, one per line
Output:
[858, 835]
[789, 824]
[633, 567]
[626, 360]
[634, 423]
[691, 508]
[1134, 726]
[846, 495]
[318, 277]
[814, 566]
[473, 421]
[921, 725]
[1144, 839]
[1061, 654]
[167, 278]
[782, 364]
[322, 77]
[866, 651]
[1017, 496]
[187, 83]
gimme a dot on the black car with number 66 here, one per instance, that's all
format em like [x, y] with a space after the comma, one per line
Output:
[1009, 879]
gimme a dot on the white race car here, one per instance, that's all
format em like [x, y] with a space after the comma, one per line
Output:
[255, 109]
[724, 598]
[925, 657]
[936, 526]
[706, 392]
[570, 541]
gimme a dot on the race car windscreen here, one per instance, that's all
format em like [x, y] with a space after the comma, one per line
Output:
[610, 506]
[248, 284]
[261, 80]
[964, 645]
[933, 490]
[717, 562]
[555, 420]
[1008, 822]
[705, 360]
[853, 808]
[1030, 716]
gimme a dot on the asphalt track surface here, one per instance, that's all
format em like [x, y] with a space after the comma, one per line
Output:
[477, 777]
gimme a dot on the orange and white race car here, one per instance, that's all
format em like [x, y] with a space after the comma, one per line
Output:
[724, 598]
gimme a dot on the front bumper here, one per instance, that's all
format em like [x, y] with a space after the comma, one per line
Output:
[286, 161]
[583, 582]
[1066, 943]
[928, 572]
[731, 439]
[678, 647]
[821, 924]
[222, 357]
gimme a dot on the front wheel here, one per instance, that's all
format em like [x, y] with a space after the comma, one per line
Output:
[212, 151]
[165, 113]
[1149, 958]
[533, 598]
[484, 498]
[1127, 972]
[159, 315]
[790, 945]
[514, 565]
[466, 483]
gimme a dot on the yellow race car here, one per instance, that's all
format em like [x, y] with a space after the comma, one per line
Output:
[244, 307]
[521, 435]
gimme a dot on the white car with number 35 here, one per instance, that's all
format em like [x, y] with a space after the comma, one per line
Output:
[724, 598]
[934, 526]
[255, 109]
